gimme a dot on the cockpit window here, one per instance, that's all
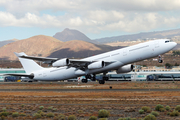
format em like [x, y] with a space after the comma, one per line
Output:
[166, 41]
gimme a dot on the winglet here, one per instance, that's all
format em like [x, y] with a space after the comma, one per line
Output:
[20, 54]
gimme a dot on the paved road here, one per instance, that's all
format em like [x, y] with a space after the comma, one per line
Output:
[87, 90]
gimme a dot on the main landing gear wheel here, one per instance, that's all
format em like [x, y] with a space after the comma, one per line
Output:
[101, 81]
[84, 80]
[105, 78]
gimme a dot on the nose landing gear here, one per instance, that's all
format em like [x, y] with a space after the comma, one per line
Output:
[160, 59]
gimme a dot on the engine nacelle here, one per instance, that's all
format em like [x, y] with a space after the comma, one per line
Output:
[125, 69]
[96, 65]
[62, 62]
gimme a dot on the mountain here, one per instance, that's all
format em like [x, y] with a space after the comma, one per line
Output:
[2, 43]
[42, 45]
[70, 34]
[142, 36]
[80, 49]
[37, 45]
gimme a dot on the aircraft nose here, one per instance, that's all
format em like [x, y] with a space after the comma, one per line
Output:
[174, 44]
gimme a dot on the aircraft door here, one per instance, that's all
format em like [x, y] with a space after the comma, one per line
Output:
[156, 44]
[125, 52]
[44, 75]
[152, 48]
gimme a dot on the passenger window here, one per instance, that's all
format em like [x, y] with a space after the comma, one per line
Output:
[166, 41]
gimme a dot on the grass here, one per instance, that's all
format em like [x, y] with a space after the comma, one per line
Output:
[84, 104]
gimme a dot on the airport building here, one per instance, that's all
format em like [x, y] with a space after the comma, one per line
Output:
[10, 70]
[140, 74]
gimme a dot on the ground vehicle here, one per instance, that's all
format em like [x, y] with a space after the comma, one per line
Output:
[12, 79]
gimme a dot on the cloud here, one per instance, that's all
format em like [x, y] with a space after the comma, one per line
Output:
[97, 20]
[92, 16]
[35, 6]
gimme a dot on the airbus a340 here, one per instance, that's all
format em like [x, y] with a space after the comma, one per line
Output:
[118, 60]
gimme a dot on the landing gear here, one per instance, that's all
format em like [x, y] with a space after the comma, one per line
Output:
[93, 78]
[101, 81]
[160, 59]
[84, 80]
[88, 76]
[104, 78]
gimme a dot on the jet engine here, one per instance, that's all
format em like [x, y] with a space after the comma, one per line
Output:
[96, 65]
[125, 69]
[62, 62]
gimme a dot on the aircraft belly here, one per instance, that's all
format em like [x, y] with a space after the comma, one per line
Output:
[61, 74]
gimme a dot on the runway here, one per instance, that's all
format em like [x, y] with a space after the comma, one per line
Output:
[87, 90]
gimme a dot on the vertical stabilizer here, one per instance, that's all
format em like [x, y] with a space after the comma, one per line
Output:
[28, 65]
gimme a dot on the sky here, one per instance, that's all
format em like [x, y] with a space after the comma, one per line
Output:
[22, 19]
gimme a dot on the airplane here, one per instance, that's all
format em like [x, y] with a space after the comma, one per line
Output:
[119, 60]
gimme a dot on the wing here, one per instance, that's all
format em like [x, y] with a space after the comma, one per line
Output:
[80, 64]
[44, 59]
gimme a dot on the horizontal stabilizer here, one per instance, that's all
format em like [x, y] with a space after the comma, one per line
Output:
[20, 74]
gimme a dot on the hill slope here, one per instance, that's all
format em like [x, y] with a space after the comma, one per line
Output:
[2, 43]
[40, 44]
[80, 49]
[48, 46]
[147, 35]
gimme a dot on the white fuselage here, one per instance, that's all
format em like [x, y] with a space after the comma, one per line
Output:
[120, 57]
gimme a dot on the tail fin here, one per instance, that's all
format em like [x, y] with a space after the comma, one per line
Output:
[28, 65]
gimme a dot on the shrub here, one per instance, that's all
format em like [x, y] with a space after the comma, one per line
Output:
[162, 110]
[168, 113]
[4, 109]
[158, 107]
[121, 119]
[103, 113]
[150, 117]
[177, 108]
[71, 117]
[42, 113]
[15, 114]
[80, 111]
[167, 107]
[2, 118]
[50, 114]
[37, 115]
[39, 111]
[22, 114]
[41, 107]
[54, 109]
[155, 113]
[146, 109]
[128, 118]
[4, 114]
[62, 117]
[93, 118]
[22, 105]
[50, 108]
[141, 111]
[174, 113]
[103, 119]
